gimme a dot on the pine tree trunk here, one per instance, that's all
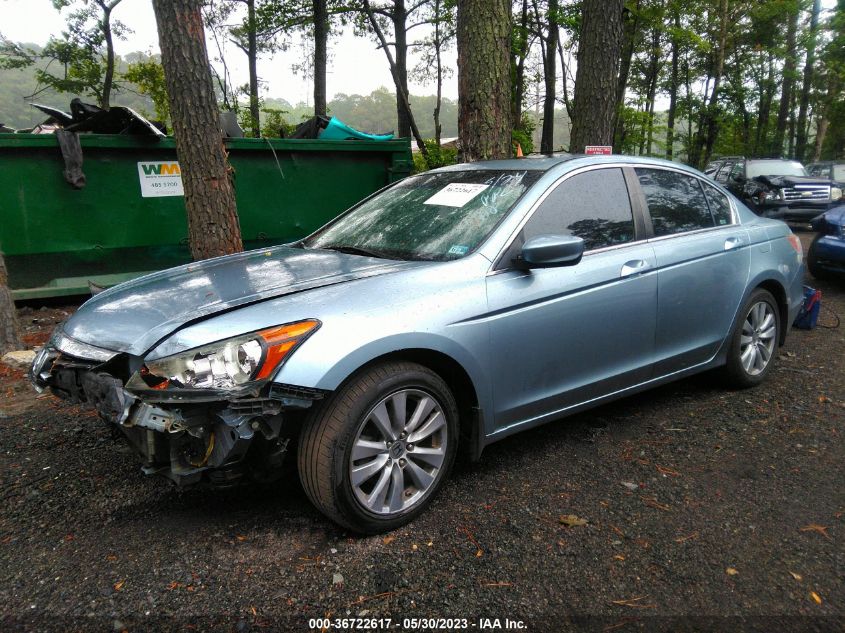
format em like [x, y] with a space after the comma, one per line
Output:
[629, 30]
[9, 338]
[673, 87]
[822, 125]
[402, 102]
[400, 37]
[213, 227]
[801, 140]
[767, 95]
[519, 56]
[597, 74]
[484, 96]
[708, 126]
[788, 81]
[321, 38]
[550, 72]
[252, 55]
[108, 77]
[438, 45]
[653, 71]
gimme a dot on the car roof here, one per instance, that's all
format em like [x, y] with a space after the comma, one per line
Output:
[550, 162]
[530, 163]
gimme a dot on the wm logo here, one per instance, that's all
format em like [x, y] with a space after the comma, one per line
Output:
[161, 169]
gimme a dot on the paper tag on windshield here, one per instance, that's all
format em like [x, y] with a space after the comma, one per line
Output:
[456, 194]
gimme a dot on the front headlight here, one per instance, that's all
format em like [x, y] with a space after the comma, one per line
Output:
[835, 193]
[226, 364]
[768, 196]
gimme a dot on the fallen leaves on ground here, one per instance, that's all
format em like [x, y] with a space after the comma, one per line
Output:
[571, 520]
[654, 503]
[815, 527]
[634, 603]
[816, 597]
[730, 571]
[796, 576]
[688, 537]
[667, 471]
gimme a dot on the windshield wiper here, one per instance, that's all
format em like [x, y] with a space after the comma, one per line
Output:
[357, 250]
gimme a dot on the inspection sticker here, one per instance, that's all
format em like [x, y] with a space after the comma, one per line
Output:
[456, 194]
[160, 178]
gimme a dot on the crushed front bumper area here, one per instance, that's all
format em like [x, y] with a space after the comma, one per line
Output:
[187, 441]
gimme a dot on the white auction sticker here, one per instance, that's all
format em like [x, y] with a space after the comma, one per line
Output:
[456, 194]
[160, 178]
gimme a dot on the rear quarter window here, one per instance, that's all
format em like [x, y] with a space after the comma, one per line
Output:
[720, 206]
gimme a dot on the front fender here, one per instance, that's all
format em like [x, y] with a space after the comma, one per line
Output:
[320, 364]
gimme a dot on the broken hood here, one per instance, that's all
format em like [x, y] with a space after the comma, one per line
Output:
[134, 316]
[791, 181]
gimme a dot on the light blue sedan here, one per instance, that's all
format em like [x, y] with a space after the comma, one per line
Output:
[441, 314]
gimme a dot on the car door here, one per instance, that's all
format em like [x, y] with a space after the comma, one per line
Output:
[562, 336]
[703, 262]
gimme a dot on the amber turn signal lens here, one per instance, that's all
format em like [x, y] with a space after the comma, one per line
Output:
[280, 342]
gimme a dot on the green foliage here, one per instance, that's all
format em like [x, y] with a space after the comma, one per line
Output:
[438, 156]
[20, 84]
[148, 76]
[81, 69]
[524, 135]
[275, 124]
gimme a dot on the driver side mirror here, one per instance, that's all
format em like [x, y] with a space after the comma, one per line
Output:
[549, 251]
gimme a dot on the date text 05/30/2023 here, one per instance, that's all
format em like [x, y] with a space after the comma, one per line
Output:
[416, 624]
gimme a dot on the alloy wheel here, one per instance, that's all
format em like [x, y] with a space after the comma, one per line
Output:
[757, 341]
[398, 451]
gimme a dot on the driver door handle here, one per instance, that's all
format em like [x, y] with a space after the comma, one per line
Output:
[634, 267]
[732, 242]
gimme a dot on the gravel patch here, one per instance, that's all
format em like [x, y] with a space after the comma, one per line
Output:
[688, 507]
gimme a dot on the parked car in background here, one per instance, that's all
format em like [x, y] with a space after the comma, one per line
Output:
[777, 188]
[452, 309]
[715, 165]
[826, 255]
[833, 170]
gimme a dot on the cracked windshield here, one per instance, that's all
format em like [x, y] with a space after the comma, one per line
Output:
[428, 217]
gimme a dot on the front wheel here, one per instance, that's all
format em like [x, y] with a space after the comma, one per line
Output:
[754, 341]
[375, 454]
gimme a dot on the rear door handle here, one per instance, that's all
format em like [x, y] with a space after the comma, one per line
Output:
[634, 267]
[732, 242]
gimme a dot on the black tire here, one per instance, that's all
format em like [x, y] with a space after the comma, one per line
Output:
[813, 261]
[736, 371]
[347, 420]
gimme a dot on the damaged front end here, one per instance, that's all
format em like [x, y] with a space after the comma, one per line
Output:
[209, 414]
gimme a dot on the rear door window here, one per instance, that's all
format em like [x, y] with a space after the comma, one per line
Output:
[675, 201]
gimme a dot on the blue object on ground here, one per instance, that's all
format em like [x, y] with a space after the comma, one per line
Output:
[808, 316]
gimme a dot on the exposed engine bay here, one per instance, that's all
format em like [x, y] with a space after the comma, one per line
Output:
[188, 438]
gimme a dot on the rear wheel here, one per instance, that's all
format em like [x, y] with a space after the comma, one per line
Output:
[374, 455]
[754, 341]
[813, 260]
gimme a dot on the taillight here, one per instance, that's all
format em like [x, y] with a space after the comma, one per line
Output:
[796, 245]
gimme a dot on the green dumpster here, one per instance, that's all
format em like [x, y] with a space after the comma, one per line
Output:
[129, 218]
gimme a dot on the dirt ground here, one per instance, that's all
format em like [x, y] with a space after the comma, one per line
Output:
[687, 508]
